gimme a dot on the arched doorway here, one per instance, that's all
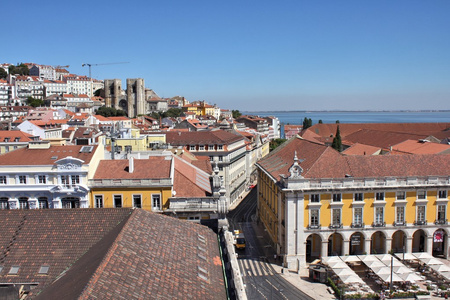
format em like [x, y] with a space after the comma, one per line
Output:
[357, 244]
[70, 202]
[313, 247]
[378, 243]
[398, 241]
[440, 239]
[419, 241]
[335, 242]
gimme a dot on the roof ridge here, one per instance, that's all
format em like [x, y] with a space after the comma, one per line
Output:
[327, 149]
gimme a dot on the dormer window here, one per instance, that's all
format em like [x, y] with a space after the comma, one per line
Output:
[192, 148]
[202, 148]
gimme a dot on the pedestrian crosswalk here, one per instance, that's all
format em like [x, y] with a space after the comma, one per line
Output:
[252, 267]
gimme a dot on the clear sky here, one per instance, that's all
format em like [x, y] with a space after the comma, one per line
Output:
[248, 55]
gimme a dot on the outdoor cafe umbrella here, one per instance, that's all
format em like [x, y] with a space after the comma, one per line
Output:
[441, 268]
[395, 261]
[338, 265]
[374, 264]
[402, 270]
[381, 270]
[331, 259]
[387, 277]
[383, 257]
[412, 277]
[408, 256]
[351, 279]
[365, 258]
[432, 261]
[342, 272]
[422, 255]
[351, 258]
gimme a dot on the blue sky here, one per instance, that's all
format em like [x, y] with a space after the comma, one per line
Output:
[248, 55]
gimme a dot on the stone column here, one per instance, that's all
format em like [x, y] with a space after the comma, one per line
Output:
[388, 245]
[346, 246]
[408, 244]
[429, 247]
[367, 246]
[324, 251]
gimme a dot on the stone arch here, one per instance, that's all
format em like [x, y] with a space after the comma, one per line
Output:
[313, 247]
[419, 242]
[357, 243]
[335, 244]
[378, 242]
[440, 243]
[398, 241]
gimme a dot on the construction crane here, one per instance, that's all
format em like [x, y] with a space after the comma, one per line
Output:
[114, 63]
[60, 67]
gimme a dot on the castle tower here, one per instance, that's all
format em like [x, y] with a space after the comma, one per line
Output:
[112, 92]
[136, 97]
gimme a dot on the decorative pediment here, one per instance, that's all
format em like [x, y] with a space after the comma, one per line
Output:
[69, 163]
[295, 169]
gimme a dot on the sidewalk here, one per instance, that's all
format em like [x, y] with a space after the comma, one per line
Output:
[315, 290]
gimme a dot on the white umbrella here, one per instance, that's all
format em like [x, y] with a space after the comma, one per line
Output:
[408, 256]
[445, 274]
[374, 264]
[402, 270]
[351, 279]
[351, 258]
[383, 257]
[331, 259]
[387, 277]
[396, 262]
[412, 277]
[342, 272]
[441, 268]
[432, 261]
[422, 255]
[365, 258]
[338, 265]
[381, 270]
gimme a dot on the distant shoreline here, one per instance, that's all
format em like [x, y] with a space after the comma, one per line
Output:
[344, 111]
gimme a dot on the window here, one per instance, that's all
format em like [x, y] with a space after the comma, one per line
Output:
[315, 198]
[70, 202]
[379, 196]
[201, 147]
[357, 215]
[421, 195]
[43, 270]
[98, 201]
[4, 203]
[336, 216]
[401, 195]
[118, 201]
[314, 217]
[75, 179]
[14, 270]
[337, 197]
[2, 179]
[43, 202]
[400, 215]
[22, 179]
[210, 147]
[65, 179]
[379, 215]
[23, 203]
[441, 216]
[192, 148]
[156, 202]
[211, 158]
[137, 201]
[42, 179]
[421, 213]
[359, 197]
[220, 158]
[441, 194]
[220, 147]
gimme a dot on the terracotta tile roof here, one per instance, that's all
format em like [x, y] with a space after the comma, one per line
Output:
[26, 156]
[319, 161]
[119, 118]
[421, 147]
[201, 137]
[361, 149]
[189, 180]
[41, 123]
[377, 138]
[53, 237]
[151, 168]
[13, 134]
[102, 118]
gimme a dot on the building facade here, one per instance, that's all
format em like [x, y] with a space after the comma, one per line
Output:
[316, 202]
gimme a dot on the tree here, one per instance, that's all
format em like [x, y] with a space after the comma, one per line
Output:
[337, 141]
[34, 102]
[275, 143]
[337, 122]
[236, 113]
[110, 112]
[19, 70]
[3, 73]
[172, 113]
[320, 122]
[307, 123]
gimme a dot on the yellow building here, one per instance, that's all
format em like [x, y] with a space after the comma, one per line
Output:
[316, 202]
[200, 108]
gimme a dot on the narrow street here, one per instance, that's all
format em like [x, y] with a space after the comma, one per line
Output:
[260, 278]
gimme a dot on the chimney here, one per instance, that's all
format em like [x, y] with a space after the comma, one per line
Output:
[131, 164]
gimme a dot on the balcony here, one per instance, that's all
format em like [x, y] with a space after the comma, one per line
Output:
[379, 224]
[441, 222]
[420, 222]
[336, 226]
[314, 226]
[130, 182]
[357, 225]
[403, 223]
